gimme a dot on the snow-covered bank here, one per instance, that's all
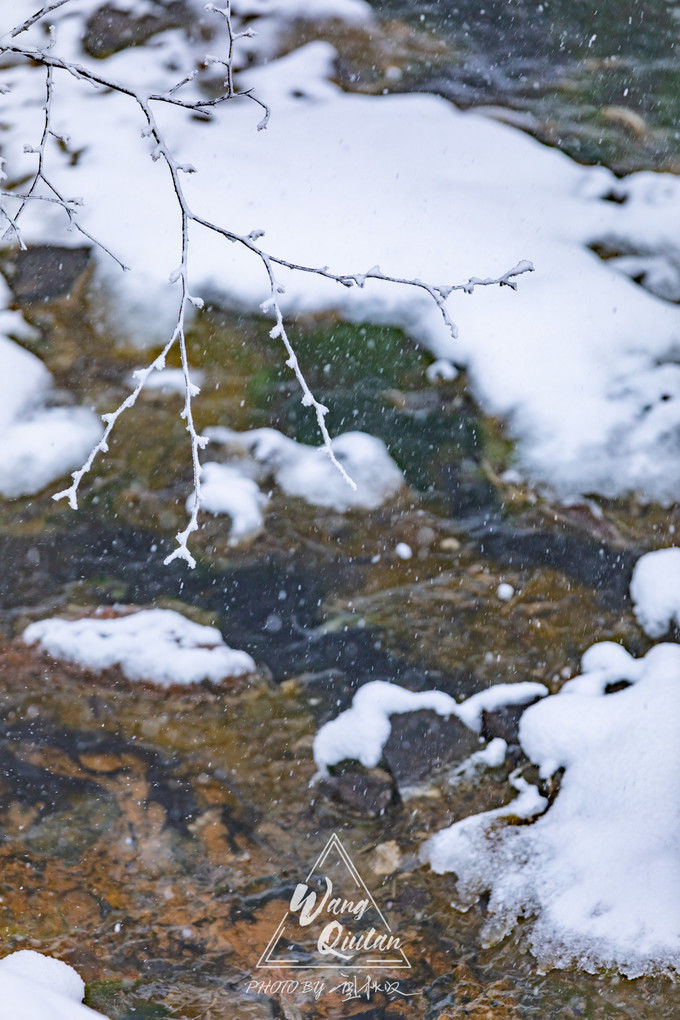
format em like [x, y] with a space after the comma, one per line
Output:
[596, 877]
[581, 360]
[156, 645]
[37, 987]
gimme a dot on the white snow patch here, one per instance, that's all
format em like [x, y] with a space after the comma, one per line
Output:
[226, 490]
[493, 755]
[37, 987]
[441, 369]
[490, 757]
[403, 550]
[505, 591]
[361, 731]
[157, 645]
[39, 442]
[170, 380]
[655, 591]
[307, 472]
[498, 696]
[460, 841]
[596, 878]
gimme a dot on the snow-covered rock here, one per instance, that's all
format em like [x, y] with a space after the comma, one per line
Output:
[226, 490]
[441, 369]
[655, 591]
[156, 645]
[361, 731]
[307, 472]
[596, 878]
[37, 987]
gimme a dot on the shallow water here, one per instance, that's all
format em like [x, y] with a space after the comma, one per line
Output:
[600, 81]
[153, 839]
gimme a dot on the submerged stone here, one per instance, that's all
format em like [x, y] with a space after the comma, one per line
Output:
[422, 741]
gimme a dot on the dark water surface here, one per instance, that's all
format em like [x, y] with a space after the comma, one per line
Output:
[599, 80]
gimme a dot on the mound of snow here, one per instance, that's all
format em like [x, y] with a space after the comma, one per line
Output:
[655, 591]
[169, 380]
[226, 490]
[307, 472]
[39, 443]
[596, 878]
[362, 731]
[37, 987]
[157, 645]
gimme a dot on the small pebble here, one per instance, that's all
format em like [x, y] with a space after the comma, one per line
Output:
[505, 591]
[404, 551]
[449, 544]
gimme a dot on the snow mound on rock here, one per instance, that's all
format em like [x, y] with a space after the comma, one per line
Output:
[655, 591]
[361, 731]
[306, 471]
[37, 987]
[226, 490]
[156, 645]
[39, 442]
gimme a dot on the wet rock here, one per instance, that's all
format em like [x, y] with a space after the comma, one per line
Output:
[467, 491]
[504, 722]
[365, 792]
[45, 272]
[110, 29]
[616, 686]
[421, 742]
[596, 564]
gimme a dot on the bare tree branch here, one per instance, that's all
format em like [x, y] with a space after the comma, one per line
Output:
[271, 306]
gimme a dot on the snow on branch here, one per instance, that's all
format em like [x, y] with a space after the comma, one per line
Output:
[50, 62]
[43, 12]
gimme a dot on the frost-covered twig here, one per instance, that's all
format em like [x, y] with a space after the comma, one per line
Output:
[40, 176]
[278, 331]
[228, 64]
[43, 12]
[110, 419]
[251, 242]
[181, 275]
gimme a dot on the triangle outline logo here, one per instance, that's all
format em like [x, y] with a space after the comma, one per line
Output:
[398, 958]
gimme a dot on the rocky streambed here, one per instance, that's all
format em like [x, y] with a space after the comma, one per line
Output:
[154, 838]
